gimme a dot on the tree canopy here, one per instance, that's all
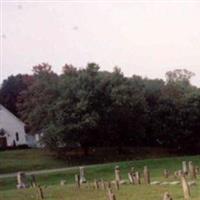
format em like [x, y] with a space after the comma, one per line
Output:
[87, 107]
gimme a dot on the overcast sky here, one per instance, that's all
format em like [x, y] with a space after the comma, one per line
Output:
[145, 38]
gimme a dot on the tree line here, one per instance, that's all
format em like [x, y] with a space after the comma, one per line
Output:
[92, 108]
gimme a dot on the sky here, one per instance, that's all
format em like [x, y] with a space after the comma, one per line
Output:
[146, 38]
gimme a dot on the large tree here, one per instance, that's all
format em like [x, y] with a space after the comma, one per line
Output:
[35, 104]
[11, 89]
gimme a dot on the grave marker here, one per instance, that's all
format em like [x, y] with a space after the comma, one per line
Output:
[22, 180]
[167, 196]
[146, 175]
[186, 189]
[82, 175]
[117, 174]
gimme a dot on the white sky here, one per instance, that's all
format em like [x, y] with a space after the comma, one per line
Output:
[145, 38]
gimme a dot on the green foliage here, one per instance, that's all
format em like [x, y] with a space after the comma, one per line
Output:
[11, 89]
[87, 107]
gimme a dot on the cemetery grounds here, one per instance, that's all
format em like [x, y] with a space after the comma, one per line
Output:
[53, 190]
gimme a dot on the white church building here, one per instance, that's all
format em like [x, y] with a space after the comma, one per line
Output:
[12, 130]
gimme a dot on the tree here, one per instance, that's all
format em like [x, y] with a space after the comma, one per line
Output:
[76, 111]
[11, 89]
[189, 140]
[179, 75]
[36, 103]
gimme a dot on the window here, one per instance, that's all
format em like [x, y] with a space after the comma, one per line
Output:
[17, 136]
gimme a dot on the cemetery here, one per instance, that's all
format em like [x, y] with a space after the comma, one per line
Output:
[100, 100]
[162, 179]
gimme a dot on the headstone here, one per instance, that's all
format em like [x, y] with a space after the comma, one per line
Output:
[176, 174]
[117, 184]
[167, 196]
[180, 173]
[137, 179]
[130, 177]
[197, 170]
[103, 185]
[117, 174]
[109, 184]
[82, 175]
[132, 169]
[192, 171]
[185, 167]
[146, 175]
[77, 180]
[186, 189]
[96, 184]
[111, 195]
[33, 180]
[22, 180]
[62, 182]
[166, 173]
[40, 193]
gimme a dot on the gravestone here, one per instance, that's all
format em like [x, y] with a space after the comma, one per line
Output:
[22, 180]
[146, 175]
[117, 184]
[192, 171]
[132, 169]
[117, 174]
[197, 170]
[96, 184]
[103, 185]
[166, 173]
[111, 195]
[33, 180]
[109, 184]
[180, 173]
[167, 196]
[186, 189]
[130, 177]
[82, 175]
[40, 192]
[185, 167]
[77, 180]
[62, 182]
[137, 179]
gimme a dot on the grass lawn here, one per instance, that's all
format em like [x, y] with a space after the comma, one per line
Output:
[53, 191]
[126, 192]
[27, 160]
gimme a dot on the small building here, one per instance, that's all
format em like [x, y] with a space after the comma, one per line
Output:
[12, 131]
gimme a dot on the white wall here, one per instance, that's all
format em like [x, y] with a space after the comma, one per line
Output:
[12, 125]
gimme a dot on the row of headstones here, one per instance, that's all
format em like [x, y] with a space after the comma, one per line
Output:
[134, 177]
[111, 196]
[188, 169]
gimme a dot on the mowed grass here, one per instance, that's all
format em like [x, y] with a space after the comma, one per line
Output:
[126, 192]
[53, 191]
[27, 160]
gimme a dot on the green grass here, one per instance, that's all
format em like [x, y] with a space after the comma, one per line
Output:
[27, 160]
[106, 171]
[126, 192]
